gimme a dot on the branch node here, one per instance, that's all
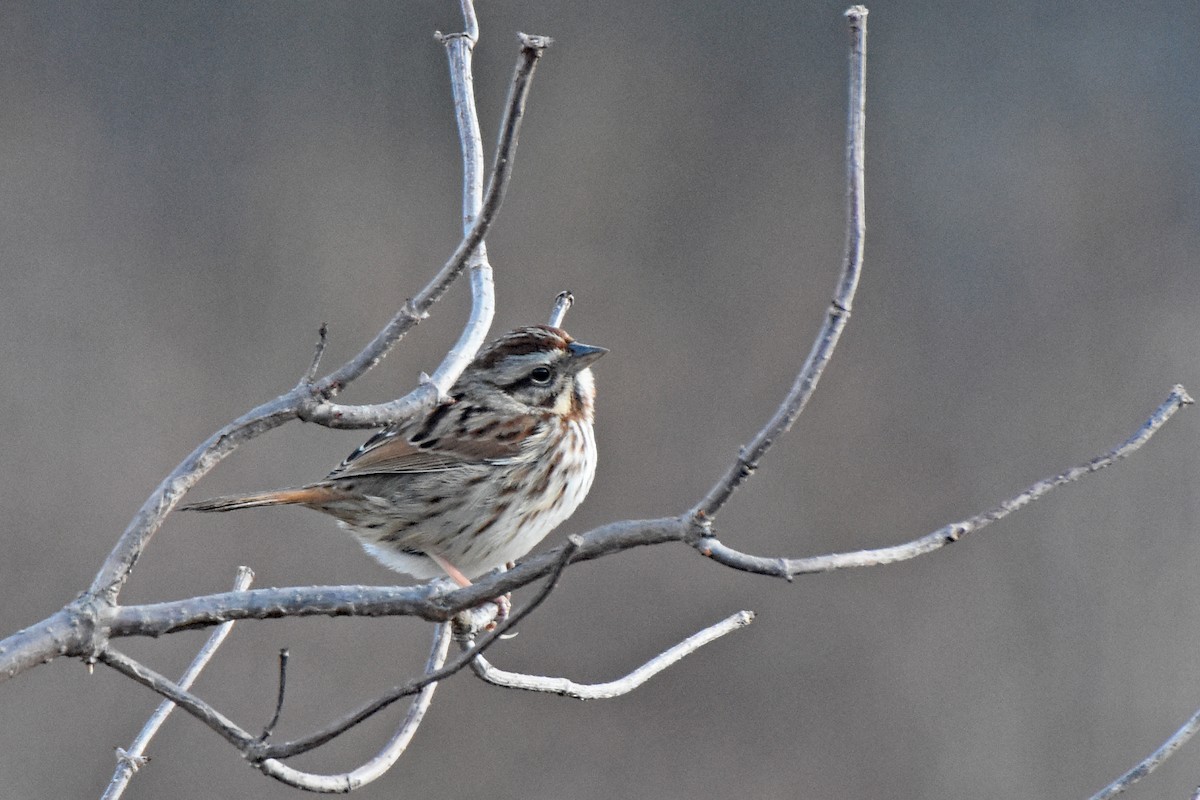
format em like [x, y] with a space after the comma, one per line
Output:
[415, 313]
[427, 383]
[134, 762]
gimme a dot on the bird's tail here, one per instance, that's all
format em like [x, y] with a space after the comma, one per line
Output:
[305, 495]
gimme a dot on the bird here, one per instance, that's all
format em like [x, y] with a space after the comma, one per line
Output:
[474, 483]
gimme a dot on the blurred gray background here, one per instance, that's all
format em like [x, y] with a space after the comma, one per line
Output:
[188, 190]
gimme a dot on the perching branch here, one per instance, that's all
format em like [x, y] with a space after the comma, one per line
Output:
[329, 733]
[259, 752]
[71, 630]
[311, 403]
[428, 602]
[603, 691]
[85, 627]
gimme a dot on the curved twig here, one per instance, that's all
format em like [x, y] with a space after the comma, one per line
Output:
[839, 309]
[1152, 761]
[330, 732]
[391, 751]
[603, 691]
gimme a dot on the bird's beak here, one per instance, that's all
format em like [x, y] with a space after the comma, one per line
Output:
[584, 354]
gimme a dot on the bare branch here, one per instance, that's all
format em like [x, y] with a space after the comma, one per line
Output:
[58, 634]
[391, 751]
[1152, 761]
[319, 738]
[371, 416]
[311, 402]
[129, 760]
[562, 304]
[625, 685]
[790, 567]
[839, 309]
[459, 48]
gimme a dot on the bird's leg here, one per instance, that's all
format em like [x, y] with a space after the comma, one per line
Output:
[449, 569]
[503, 603]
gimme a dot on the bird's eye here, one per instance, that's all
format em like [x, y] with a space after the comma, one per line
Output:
[540, 375]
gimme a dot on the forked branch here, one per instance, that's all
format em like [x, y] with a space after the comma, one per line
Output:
[947, 534]
[311, 402]
[130, 759]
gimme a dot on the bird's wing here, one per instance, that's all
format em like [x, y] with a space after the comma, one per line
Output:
[390, 451]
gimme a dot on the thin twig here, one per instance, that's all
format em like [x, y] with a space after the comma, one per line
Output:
[369, 416]
[948, 534]
[319, 738]
[392, 749]
[194, 705]
[603, 691]
[270, 726]
[130, 759]
[562, 304]
[839, 310]
[1152, 761]
[318, 351]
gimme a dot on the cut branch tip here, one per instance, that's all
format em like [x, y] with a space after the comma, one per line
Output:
[562, 304]
[533, 41]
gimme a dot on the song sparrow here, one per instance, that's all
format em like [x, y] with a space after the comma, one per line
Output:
[475, 483]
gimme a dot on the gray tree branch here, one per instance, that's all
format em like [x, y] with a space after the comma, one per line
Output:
[130, 759]
[392, 749]
[1153, 761]
[609, 689]
[72, 631]
[84, 628]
